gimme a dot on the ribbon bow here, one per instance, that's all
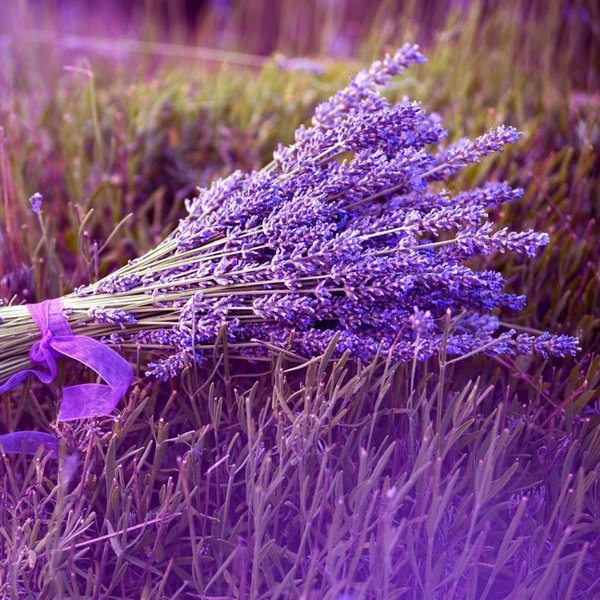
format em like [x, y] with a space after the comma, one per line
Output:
[78, 401]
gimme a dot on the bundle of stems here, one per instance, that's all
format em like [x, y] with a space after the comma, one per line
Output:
[348, 235]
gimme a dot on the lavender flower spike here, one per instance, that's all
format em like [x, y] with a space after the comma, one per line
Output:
[36, 203]
[466, 152]
[112, 316]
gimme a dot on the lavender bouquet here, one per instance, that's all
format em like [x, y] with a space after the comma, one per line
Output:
[347, 238]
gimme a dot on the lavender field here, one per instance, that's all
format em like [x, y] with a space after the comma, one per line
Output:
[324, 310]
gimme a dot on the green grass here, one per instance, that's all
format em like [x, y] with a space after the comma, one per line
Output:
[472, 480]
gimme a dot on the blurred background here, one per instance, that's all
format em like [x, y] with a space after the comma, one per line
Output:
[327, 28]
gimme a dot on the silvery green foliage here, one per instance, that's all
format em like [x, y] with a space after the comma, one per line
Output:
[349, 233]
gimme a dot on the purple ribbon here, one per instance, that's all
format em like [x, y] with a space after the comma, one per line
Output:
[78, 401]
[28, 442]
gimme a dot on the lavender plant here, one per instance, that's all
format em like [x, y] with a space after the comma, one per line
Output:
[348, 237]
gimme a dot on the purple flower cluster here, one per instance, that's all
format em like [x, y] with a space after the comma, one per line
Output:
[36, 203]
[347, 237]
[111, 316]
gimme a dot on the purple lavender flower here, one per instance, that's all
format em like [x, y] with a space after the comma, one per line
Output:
[36, 203]
[421, 322]
[112, 316]
[546, 345]
[335, 242]
[465, 152]
[361, 96]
